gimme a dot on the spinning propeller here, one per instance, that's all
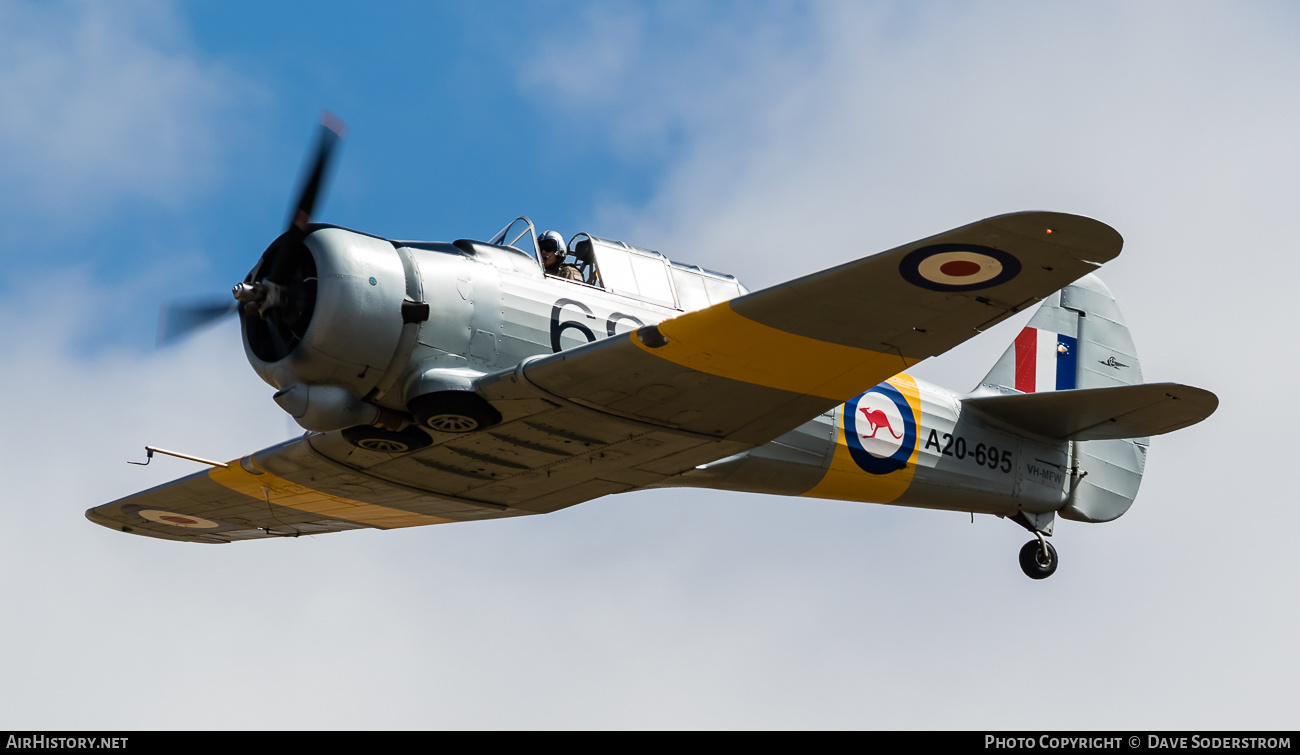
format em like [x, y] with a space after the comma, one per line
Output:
[276, 299]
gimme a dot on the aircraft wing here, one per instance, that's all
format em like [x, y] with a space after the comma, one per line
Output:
[759, 365]
[286, 490]
[632, 410]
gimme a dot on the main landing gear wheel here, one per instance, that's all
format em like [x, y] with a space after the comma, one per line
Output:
[386, 441]
[453, 412]
[1038, 559]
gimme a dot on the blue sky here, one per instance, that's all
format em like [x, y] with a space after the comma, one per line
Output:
[453, 129]
[149, 150]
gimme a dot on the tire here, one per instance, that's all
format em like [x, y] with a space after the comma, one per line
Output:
[453, 412]
[386, 441]
[1033, 565]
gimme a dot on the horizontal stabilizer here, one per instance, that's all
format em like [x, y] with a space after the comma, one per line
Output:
[1130, 411]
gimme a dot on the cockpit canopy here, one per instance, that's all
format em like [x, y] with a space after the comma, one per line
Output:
[633, 271]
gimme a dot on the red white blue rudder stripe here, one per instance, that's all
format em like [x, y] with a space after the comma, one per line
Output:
[1044, 356]
[1076, 340]
[1045, 361]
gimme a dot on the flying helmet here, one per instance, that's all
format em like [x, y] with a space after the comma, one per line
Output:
[551, 241]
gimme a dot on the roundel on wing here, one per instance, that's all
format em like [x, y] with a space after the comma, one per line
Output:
[177, 520]
[958, 267]
[880, 430]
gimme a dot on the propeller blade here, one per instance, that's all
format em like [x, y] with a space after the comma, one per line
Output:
[178, 321]
[331, 131]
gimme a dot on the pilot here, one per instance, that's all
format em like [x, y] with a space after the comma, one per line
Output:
[552, 245]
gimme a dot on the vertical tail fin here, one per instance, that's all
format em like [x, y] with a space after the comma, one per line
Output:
[1076, 340]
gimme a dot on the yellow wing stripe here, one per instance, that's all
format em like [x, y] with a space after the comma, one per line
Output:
[719, 341]
[292, 495]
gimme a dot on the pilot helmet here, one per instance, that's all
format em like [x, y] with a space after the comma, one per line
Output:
[551, 241]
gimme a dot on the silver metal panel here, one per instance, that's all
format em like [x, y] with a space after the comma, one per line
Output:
[443, 340]
[1107, 356]
[1113, 474]
[790, 465]
[361, 285]
[963, 463]
[544, 315]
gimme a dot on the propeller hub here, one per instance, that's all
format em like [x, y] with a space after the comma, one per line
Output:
[249, 292]
[260, 296]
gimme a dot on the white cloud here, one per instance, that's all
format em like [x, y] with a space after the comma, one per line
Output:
[106, 102]
[656, 78]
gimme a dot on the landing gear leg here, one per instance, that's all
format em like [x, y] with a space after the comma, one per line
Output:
[1037, 558]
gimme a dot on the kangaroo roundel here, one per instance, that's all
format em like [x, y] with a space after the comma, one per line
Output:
[880, 429]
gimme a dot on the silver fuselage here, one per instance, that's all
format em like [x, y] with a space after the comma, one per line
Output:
[493, 307]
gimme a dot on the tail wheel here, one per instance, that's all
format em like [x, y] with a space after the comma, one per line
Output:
[1038, 559]
[386, 441]
[453, 412]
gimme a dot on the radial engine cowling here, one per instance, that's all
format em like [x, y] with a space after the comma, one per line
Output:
[321, 319]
